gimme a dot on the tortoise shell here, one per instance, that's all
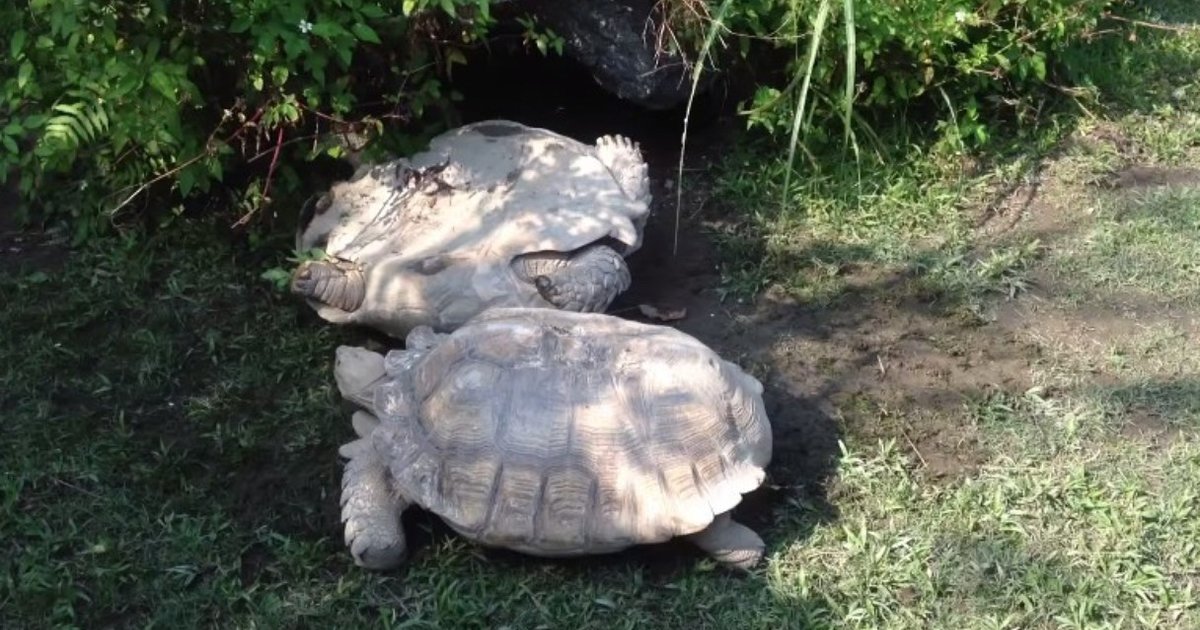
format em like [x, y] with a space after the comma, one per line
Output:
[559, 433]
[487, 191]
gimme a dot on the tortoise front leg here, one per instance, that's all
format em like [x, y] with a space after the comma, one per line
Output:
[370, 510]
[586, 280]
[341, 286]
[730, 543]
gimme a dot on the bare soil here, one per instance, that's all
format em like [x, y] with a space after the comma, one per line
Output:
[846, 372]
[25, 250]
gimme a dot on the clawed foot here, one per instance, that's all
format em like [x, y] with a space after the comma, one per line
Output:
[339, 286]
[624, 160]
[371, 516]
[588, 282]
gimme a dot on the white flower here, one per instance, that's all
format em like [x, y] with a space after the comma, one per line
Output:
[305, 26]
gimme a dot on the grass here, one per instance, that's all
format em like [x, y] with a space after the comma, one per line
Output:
[170, 423]
[170, 440]
[1142, 247]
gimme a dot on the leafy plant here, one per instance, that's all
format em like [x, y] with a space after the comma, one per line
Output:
[114, 108]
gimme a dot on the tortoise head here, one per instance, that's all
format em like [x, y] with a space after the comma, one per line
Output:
[358, 372]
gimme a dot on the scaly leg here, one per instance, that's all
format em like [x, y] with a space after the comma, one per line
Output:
[730, 543]
[341, 286]
[370, 510]
[585, 281]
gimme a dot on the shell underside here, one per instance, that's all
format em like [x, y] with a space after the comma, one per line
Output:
[497, 196]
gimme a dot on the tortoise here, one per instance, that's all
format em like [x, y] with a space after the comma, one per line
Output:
[493, 214]
[552, 433]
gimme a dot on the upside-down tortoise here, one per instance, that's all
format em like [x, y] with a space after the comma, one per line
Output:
[552, 433]
[493, 214]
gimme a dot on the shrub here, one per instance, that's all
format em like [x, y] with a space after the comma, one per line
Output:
[113, 105]
[974, 53]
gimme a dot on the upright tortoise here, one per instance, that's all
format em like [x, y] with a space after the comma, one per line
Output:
[552, 433]
[493, 214]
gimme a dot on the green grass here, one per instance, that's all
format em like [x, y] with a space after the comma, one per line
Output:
[170, 424]
[170, 461]
[1143, 247]
[914, 203]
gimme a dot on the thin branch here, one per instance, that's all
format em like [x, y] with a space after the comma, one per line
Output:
[274, 162]
[1155, 25]
[208, 149]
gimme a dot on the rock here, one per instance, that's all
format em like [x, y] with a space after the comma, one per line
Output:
[616, 41]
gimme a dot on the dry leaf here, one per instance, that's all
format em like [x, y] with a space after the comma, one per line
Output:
[665, 314]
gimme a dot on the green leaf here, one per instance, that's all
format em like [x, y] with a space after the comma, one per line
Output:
[24, 74]
[17, 43]
[408, 7]
[372, 11]
[365, 33]
[33, 122]
[1039, 67]
[187, 179]
[9, 144]
[240, 24]
[161, 82]
[99, 118]
[295, 47]
[279, 75]
[216, 170]
[326, 29]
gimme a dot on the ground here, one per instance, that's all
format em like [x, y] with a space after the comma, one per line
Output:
[983, 380]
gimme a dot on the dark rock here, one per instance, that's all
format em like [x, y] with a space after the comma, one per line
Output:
[616, 41]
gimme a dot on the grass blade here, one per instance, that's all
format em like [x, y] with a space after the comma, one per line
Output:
[709, 37]
[798, 119]
[851, 69]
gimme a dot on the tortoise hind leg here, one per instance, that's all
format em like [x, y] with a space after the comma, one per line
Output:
[370, 510]
[586, 280]
[730, 543]
[623, 157]
[339, 285]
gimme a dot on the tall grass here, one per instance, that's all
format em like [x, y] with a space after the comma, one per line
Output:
[802, 80]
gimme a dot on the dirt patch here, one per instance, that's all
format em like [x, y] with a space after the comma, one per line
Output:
[842, 373]
[887, 362]
[1138, 176]
[26, 251]
[1149, 428]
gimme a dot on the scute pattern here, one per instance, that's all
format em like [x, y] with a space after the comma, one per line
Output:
[526, 432]
[608, 434]
[467, 409]
[566, 498]
[515, 506]
[469, 484]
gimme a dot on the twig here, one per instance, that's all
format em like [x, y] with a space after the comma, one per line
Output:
[1155, 25]
[914, 448]
[208, 148]
[261, 154]
[270, 177]
[76, 488]
[274, 162]
[150, 183]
